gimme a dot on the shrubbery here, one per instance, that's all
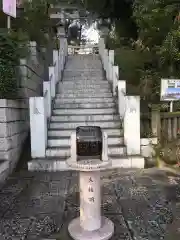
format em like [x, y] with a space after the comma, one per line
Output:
[32, 25]
[12, 48]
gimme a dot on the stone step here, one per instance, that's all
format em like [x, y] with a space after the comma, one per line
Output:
[84, 78]
[67, 132]
[84, 90]
[84, 100]
[82, 70]
[84, 83]
[102, 124]
[59, 164]
[85, 111]
[98, 117]
[66, 151]
[66, 142]
[96, 67]
[83, 95]
[84, 105]
[84, 67]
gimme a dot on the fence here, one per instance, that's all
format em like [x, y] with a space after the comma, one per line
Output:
[161, 124]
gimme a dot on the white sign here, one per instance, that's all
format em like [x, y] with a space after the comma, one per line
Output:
[9, 7]
[170, 89]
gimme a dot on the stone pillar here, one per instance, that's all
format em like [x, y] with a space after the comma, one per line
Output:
[155, 120]
[110, 65]
[60, 65]
[38, 127]
[66, 48]
[122, 98]
[33, 51]
[90, 200]
[115, 75]
[24, 78]
[47, 92]
[101, 48]
[52, 80]
[56, 64]
[105, 57]
[63, 51]
[132, 125]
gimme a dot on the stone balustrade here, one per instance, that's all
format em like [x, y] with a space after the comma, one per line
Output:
[128, 106]
[14, 113]
[40, 107]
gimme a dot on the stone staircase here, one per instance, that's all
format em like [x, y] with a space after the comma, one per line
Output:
[83, 98]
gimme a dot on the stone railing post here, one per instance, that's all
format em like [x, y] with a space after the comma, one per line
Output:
[63, 50]
[132, 125]
[47, 92]
[38, 127]
[66, 49]
[110, 65]
[155, 120]
[106, 61]
[60, 64]
[52, 80]
[24, 77]
[101, 47]
[33, 50]
[122, 98]
[115, 74]
[56, 63]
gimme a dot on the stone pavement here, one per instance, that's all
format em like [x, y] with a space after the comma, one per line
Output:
[144, 205]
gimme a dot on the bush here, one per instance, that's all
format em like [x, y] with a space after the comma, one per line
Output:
[131, 63]
[31, 25]
[11, 50]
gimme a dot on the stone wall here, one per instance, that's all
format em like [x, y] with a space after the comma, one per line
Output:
[14, 114]
[14, 126]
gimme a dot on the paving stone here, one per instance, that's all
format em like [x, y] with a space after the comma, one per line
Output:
[44, 226]
[14, 228]
[33, 206]
[14, 186]
[110, 206]
[6, 202]
[121, 231]
[44, 204]
[51, 176]
[173, 231]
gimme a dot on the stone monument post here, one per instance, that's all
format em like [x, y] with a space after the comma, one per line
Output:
[89, 157]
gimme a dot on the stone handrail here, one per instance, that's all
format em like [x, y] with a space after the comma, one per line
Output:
[128, 106]
[30, 68]
[41, 107]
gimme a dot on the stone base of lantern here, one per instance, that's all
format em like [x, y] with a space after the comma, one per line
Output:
[105, 232]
